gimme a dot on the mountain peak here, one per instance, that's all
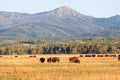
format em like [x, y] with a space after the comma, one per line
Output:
[65, 8]
[65, 11]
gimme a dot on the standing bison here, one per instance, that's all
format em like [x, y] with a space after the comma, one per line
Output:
[119, 57]
[42, 60]
[74, 59]
[53, 59]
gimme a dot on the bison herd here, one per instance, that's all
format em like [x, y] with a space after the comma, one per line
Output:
[76, 59]
[50, 59]
[57, 59]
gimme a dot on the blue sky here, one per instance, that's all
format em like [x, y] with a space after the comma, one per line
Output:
[96, 8]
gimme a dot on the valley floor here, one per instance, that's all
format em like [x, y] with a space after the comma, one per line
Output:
[89, 68]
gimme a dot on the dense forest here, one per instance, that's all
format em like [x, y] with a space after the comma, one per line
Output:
[84, 46]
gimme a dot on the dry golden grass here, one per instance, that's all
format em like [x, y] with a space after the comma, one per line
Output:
[26, 68]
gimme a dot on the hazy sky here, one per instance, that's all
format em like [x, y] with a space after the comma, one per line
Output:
[96, 8]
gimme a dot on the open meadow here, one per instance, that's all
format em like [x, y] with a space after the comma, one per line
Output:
[24, 67]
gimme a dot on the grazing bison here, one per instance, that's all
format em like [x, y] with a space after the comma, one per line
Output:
[30, 56]
[16, 56]
[110, 55]
[42, 60]
[74, 59]
[81, 55]
[53, 59]
[33, 56]
[100, 55]
[119, 57]
[88, 55]
[49, 60]
[106, 55]
[93, 55]
[114, 55]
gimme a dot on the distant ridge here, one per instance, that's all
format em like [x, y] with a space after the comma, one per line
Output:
[58, 24]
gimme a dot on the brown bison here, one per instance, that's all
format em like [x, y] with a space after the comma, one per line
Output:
[49, 60]
[42, 60]
[53, 59]
[110, 55]
[88, 55]
[100, 55]
[81, 55]
[32, 56]
[16, 56]
[74, 59]
[93, 55]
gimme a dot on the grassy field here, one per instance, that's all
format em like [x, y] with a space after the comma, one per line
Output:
[26, 68]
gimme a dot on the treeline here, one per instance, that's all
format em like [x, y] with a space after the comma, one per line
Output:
[81, 49]
[52, 47]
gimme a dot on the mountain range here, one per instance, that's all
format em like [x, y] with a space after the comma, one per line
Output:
[58, 24]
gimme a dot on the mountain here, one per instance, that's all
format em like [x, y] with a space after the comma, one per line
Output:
[58, 24]
[9, 19]
[64, 11]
